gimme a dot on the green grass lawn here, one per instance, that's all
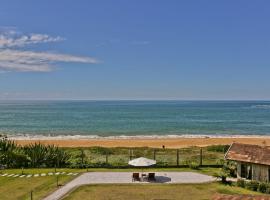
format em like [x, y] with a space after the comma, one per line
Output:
[19, 188]
[154, 192]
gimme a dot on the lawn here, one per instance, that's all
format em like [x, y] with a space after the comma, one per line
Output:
[154, 192]
[19, 188]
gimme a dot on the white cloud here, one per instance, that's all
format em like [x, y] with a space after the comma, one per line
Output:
[17, 60]
[11, 38]
[14, 58]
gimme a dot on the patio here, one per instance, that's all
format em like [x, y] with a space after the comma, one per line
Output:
[126, 178]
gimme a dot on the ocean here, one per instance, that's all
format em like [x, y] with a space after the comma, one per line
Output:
[134, 118]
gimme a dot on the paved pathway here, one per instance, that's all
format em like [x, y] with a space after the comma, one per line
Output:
[125, 177]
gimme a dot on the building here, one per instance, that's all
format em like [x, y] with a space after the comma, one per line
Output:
[253, 161]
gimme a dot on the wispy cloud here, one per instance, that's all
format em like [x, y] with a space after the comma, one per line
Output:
[12, 38]
[16, 60]
[13, 58]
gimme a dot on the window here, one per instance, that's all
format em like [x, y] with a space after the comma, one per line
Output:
[268, 174]
[246, 171]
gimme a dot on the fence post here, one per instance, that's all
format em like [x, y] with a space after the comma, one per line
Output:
[82, 156]
[58, 165]
[31, 195]
[155, 154]
[201, 157]
[177, 157]
[107, 159]
[130, 156]
[57, 184]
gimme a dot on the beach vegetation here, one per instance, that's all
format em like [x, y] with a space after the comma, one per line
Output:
[32, 155]
[262, 187]
[252, 185]
[218, 148]
[230, 168]
[193, 165]
[43, 156]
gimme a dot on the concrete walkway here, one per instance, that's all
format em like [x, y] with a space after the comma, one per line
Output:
[125, 178]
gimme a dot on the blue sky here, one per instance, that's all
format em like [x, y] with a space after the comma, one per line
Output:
[134, 49]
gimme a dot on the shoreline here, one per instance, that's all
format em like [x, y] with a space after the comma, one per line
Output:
[127, 137]
[147, 141]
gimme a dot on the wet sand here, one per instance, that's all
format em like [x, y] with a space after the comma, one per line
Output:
[156, 143]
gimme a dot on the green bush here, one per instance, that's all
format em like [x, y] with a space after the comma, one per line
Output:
[252, 185]
[241, 183]
[263, 187]
[162, 163]
[267, 191]
[99, 164]
[218, 148]
[101, 150]
[222, 175]
[230, 167]
[220, 161]
[194, 165]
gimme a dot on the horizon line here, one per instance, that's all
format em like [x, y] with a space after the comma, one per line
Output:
[67, 99]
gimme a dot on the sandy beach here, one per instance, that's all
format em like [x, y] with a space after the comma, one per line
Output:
[156, 143]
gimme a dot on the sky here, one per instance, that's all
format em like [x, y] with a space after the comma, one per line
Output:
[137, 49]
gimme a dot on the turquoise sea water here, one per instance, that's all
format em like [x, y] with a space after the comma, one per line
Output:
[134, 118]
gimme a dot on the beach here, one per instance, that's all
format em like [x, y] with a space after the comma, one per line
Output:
[149, 142]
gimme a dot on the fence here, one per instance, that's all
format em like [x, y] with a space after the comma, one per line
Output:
[119, 157]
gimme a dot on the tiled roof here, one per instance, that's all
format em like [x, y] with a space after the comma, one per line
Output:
[240, 197]
[249, 153]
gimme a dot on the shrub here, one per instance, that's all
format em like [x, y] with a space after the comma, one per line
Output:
[252, 185]
[263, 187]
[267, 191]
[240, 183]
[218, 148]
[40, 155]
[222, 175]
[99, 164]
[161, 163]
[101, 150]
[194, 165]
[230, 167]
[220, 162]
[8, 152]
